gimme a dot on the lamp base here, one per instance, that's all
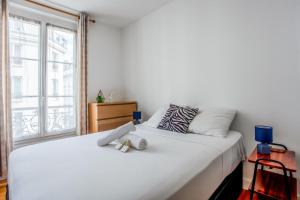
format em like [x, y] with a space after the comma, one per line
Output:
[263, 148]
[136, 122]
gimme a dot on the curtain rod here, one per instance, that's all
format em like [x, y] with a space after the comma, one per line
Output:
[57, 9]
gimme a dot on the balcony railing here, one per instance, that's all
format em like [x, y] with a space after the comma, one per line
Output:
[25, 121]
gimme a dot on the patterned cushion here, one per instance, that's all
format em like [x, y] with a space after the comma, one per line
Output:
[178, 118]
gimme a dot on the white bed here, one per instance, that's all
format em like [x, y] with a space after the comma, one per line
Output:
[174, 166]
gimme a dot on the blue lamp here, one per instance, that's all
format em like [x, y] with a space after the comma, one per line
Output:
[137, 116]
[263, 134]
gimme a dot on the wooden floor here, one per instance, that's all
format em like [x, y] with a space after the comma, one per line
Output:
[3, 190]
[245, 195]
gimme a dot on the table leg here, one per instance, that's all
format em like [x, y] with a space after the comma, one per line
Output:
[291, 174]
[253, 180]
[287, 185]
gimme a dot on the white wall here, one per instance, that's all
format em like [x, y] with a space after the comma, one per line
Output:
[104, 61]
[233, 53]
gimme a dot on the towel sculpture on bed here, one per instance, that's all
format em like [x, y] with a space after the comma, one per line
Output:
[116, 134]
[123, 139]
[135, 141]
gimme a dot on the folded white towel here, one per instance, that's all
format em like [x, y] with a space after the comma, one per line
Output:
[136, 141]
[116, 134]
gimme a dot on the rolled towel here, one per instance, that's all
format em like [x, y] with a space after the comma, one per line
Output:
[135, 141]
[116, 134]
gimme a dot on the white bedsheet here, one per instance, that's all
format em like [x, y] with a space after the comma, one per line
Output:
[77, 169]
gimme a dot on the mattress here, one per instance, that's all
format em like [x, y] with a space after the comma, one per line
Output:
[173, 166]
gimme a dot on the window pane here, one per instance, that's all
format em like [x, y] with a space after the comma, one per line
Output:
[60, 79]
[61, 114]
[61, 43]
[25, 78]
[17, 86]
[24, 37]
[25, 116]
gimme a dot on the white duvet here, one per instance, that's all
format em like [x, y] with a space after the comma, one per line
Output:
[77, 169]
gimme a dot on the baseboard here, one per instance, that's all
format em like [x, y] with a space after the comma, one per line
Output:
[246, 183]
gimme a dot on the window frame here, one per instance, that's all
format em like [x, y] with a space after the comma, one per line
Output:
[44, 20]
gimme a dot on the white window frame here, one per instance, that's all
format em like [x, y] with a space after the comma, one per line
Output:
[45, 19]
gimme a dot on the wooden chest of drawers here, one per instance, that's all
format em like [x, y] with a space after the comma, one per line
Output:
[106, 116]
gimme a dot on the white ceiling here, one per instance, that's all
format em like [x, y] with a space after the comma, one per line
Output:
[116, 12]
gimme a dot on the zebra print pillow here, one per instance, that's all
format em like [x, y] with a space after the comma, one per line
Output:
[178, 118]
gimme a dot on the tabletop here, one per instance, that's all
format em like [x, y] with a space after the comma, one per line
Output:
[286, 157]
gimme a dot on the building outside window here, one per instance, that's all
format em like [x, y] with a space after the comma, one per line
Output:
[55, 87]
[16, 57]
[17, 86]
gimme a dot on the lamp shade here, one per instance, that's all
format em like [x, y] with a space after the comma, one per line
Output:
[137, 115]
[264, 134]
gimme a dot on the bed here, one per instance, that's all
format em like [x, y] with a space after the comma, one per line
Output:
[174, 166]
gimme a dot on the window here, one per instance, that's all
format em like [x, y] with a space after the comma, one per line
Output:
[17, 86]
[17, 54]
[43, 75]
[55, 87]
[54, 66]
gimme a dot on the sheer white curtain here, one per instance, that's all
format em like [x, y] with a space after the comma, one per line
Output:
[82, 61]
[5, 104]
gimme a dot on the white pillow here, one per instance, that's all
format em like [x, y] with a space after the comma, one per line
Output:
[212, 121]
[156, 117]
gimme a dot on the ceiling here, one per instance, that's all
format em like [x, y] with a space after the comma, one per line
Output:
[116, 12]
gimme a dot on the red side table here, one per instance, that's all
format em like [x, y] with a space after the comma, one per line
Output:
[270, 184]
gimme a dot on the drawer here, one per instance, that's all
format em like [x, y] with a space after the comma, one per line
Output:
[107, 124]
[112, 111]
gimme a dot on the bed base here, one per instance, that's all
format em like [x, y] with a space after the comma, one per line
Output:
[231, 187]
